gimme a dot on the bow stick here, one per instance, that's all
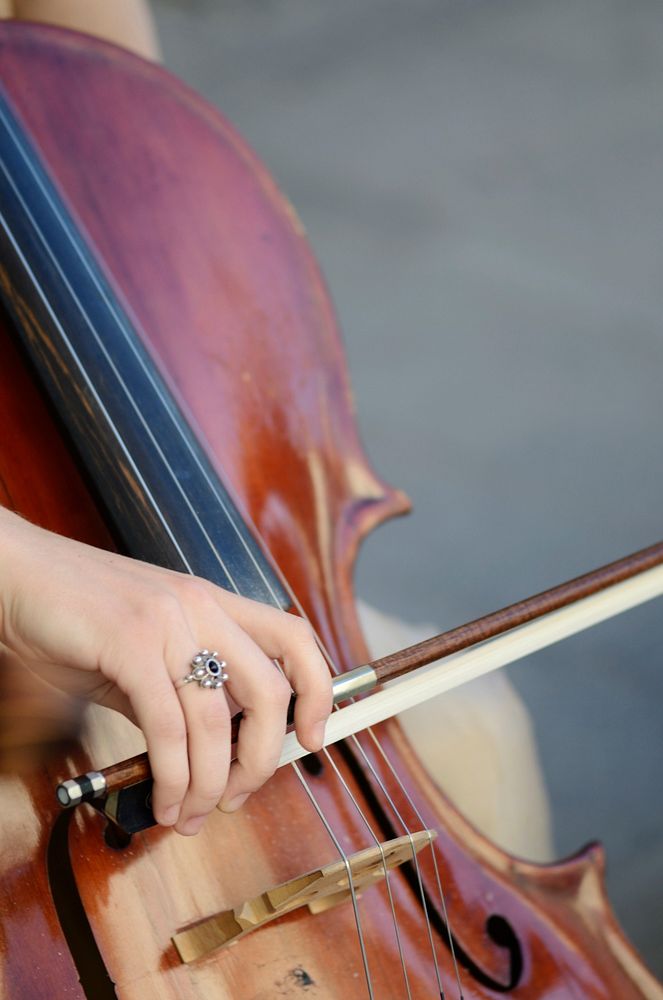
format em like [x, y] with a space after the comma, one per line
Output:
[468, 651]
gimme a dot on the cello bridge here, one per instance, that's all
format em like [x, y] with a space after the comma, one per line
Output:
[318, 890]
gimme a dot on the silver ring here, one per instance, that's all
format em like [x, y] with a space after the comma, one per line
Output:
[207, 670]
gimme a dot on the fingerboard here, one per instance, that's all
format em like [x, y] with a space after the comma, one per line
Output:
[164, 499]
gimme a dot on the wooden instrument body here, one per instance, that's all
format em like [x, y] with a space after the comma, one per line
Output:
[212, 262]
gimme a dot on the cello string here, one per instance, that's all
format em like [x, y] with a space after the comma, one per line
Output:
[383, 788]
[415, 859]
[129, 340]
[438, 878]
[111, 425]
[348, 869]
[179, 550]
[387, 873]
[102, 408]
[91, 388]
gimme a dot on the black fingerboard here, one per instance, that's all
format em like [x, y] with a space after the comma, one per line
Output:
[164, 499]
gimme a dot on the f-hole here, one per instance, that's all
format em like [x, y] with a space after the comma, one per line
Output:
[95, 980]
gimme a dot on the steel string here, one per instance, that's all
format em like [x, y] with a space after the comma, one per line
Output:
[147, 371]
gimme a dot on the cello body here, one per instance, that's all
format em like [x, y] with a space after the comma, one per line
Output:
[212, 264]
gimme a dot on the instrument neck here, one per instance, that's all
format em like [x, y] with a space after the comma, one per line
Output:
[165, 502]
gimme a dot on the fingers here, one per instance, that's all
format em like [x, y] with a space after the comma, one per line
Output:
[290, 639]
[258, 686]
[207, 719]
[188, 728]
[311, 680]
[187, 731]
[160, 715]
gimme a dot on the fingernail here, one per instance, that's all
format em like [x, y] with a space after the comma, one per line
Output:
[192, 825]
[319, 734]
[169, 816]
[233, 804]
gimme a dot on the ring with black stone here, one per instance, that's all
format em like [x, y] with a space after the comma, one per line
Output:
[207, 670]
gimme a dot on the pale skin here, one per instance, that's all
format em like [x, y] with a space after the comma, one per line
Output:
[121, 633]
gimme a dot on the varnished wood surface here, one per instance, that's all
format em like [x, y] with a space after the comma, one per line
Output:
[152, 478]
[212, 262]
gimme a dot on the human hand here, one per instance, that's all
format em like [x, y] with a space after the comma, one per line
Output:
[121, 632]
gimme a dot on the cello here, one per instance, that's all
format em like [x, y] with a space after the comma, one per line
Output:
[169, 295]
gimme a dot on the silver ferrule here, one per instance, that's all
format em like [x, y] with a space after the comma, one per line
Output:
[82, 789]
[69, 793]
[354, 682]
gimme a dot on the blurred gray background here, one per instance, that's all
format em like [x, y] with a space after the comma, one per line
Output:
[482, 182]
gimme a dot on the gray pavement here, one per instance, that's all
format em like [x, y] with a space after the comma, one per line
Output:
[482, 183]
